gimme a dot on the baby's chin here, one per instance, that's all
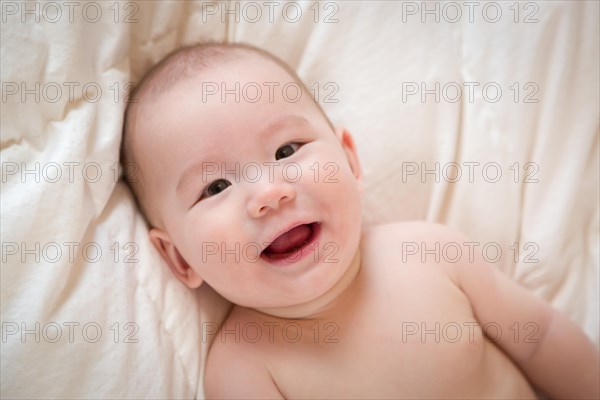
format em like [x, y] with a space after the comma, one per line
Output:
[307, 298]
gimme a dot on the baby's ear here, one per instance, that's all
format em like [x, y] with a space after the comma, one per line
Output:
[180, 268]
[347, 142]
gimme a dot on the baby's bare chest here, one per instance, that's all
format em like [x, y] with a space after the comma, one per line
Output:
[398, 339]
[392, 337]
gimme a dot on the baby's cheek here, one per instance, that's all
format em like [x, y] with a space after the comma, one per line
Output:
[325, 166]
[340, 176]
[202, 233]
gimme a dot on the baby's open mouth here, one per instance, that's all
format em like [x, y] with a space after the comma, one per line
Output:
[290, 244]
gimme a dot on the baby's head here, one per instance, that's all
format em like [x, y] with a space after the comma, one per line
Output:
[243, 179]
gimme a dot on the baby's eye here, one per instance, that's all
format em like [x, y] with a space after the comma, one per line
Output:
[215, 188]
[286, 150]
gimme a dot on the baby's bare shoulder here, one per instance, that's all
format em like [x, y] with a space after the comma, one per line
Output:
[413, 230]
[399, 237]
[412, 245]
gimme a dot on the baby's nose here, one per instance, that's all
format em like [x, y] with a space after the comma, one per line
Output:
[267, 197]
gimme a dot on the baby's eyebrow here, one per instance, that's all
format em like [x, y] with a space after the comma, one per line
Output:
[282, 122]
[191, 172]
[274, 125]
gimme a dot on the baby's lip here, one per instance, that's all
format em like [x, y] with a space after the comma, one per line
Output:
[285, 230]
[290, 255]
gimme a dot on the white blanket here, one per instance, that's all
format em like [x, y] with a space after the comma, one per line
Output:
[504, 93]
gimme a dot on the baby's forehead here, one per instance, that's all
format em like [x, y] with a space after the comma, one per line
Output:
[241, 77]
[245, 77]
[246, 71]
[242, 64]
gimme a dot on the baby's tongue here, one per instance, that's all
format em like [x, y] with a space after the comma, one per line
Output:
[293, 238]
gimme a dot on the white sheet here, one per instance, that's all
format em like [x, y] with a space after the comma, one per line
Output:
[372, 55]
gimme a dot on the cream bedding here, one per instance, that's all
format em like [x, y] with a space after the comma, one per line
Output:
[88, 309]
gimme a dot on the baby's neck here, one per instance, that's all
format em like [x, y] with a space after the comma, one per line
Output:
[322, 305]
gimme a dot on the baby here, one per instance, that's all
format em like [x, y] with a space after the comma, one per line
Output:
[249, 189]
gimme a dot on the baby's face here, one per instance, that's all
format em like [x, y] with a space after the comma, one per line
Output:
[258, 199]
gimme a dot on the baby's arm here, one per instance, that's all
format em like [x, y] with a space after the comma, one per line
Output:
[558, 359]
